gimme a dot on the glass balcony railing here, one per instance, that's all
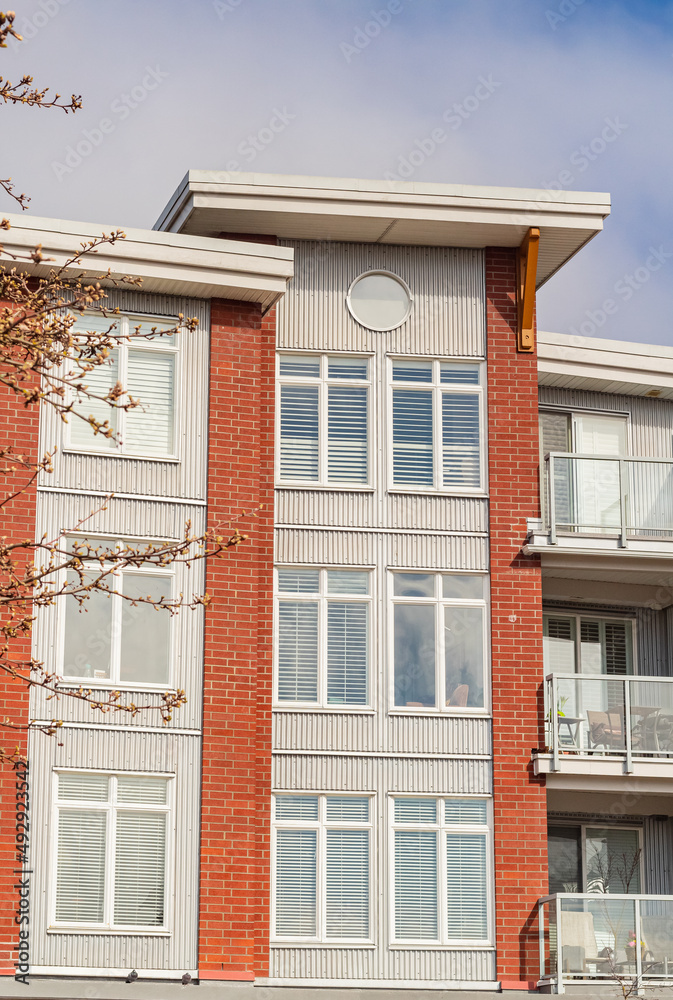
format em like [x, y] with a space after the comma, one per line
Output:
[589, 715]
[608, 495]
[605, 936]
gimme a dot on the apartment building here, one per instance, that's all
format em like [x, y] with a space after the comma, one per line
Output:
[428, 734]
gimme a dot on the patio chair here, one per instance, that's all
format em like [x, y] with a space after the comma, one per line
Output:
[578, 942]
[606, 729]
[459, 695]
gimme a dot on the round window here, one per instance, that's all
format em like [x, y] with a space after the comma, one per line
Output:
[379, 300]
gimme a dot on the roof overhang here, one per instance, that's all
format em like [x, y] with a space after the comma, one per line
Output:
[207, 203]
[615, 366]
[168, 263]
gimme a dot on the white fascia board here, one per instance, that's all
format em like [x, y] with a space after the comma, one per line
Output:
[642, 368]
[386, 212]
[187, 265]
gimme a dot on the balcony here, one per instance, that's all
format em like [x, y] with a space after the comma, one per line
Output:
[609, 937]
[607, 725]
[604, 506]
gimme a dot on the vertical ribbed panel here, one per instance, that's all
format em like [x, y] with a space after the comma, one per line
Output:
[353, 548]
[447, 286]
[414, 734]
[323, 963]
[320, 507]
[146, 752]
[126, 519]
[476, 966]
[437, 513]
[326, 731]
[324, 773]
[657, 860]
[651, 423]
[399, 965]
[184, 478]
[652, 643]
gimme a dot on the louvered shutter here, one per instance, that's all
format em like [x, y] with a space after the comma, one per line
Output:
[149, 426]
[80, 866]
[618, 648]
[347, 435]
[98, 381]
[347, 653]
[460, 440]
[347, 883]
[296, 883]
[82, 786]
[140, 868]
[415, 885]
[467, 913]
[297, 651]
[412, 437]
[299, 432]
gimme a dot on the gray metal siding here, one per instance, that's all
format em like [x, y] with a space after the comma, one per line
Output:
[150, 753]
[447, 285]
[187, 476]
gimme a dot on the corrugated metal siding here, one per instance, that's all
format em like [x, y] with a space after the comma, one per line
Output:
[321, 507]
[357, 548]
[447, 318]
[437, 513]
[185, 478]
[326, 731]
[651, 419]
[411, 734]
[440, 776]
[147, 752]
[398, 964]
[130, 519]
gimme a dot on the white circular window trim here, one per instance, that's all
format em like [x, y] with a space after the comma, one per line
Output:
[393, 277]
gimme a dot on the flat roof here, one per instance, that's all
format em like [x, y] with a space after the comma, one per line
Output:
[207, 203]
[168, 263]
[616, 366]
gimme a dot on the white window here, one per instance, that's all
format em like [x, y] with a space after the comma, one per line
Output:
[322, 867]
[440, 640]
[437, 417]
[441, 870]
[146, 368]
[322, 635]
[587, 645]
[111, 833]
[108, 638]
[324, 405]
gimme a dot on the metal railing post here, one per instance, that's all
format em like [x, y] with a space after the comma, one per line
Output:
[639, 955]
[627, 725]
[622, 504]
[551, 494]
[540, 934]
[553, 717]
[560, 988]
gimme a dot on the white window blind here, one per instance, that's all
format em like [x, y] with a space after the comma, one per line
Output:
[146, 369]
[296, 883]
[324, 419]
[419, 459]
[605, 645]
[122, 832]
[322, 642]
[441, 869]
[322, 865]
[415, 885]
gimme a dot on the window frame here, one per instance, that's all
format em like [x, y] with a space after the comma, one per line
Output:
[323, 383]
[439, 603]
[596, 825]
[322, 598]
[385, 274]
[438, 388]
[578, 617]
[117, 604]
[321, 825]
[111, 808]
[127, 321]
[441, 828]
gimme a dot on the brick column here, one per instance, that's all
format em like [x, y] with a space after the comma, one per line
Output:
[516, 622]
[234, 893]
[18, 427]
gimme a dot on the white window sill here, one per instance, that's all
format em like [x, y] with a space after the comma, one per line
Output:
[437, 491]
[458, 713]
[435, 946]
[327, 487]
[114, 453]
[117, 931]
[105, 684]
[312, 943]
[326, 709]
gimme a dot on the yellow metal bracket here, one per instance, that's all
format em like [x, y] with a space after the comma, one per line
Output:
[526, 274]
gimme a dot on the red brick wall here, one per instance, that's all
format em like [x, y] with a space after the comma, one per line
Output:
[18, 427]
[519, 797]
[234, 900]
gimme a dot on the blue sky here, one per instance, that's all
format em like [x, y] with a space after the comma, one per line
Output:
[169, 86]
